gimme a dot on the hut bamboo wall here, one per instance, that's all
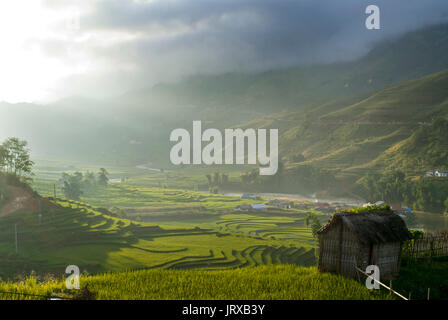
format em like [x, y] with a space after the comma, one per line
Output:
[341, 250]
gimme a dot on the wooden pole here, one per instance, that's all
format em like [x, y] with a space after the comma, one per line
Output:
[429, 292]
[383, 285]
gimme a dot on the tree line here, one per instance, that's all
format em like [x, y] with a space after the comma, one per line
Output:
[299, 179]
[74, 185]
[216, 181]
[427, 194]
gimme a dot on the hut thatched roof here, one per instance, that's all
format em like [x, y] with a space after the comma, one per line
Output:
[374, 226]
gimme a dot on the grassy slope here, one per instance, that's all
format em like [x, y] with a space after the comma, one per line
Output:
[347, 139]
[412, 101]
[425, 149]
[284, 282]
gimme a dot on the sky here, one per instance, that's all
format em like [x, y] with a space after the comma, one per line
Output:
[51, 49]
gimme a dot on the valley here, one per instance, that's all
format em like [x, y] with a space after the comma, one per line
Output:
[92, 182]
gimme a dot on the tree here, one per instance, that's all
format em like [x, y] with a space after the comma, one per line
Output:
[102, 177]
[216, 180]
[71, 185]
[313, 221]
[224, 179]
[89, 180]
[390, 187]
[279, 175]
[3, 156]
[250, 176]
[369, 183]
[15, 157]
[209, 179]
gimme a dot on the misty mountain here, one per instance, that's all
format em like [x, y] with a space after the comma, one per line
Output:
[398, 59]
[135, 127]
[349, 140]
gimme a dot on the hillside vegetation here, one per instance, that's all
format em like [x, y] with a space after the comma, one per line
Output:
[347, 139]
[284, 282]
[401, 127]
[426, 148]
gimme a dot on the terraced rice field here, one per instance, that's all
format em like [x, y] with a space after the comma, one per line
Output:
[289, 228]
[77, 233]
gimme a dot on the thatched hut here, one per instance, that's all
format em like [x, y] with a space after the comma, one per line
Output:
[373, 237]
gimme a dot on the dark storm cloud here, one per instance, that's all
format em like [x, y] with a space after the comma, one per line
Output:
[171, 38]
[305, 29]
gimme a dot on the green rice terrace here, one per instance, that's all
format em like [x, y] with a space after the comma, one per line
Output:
[134, 234]
[139, 242]
[195, 242]
[96, 241]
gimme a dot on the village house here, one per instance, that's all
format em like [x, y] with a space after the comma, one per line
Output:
[404, 210]
[244, 207]
[395, 206]
[302, 205]
[249, 196]
[250, 207]
[429, 174]
[283, 204]
[259, 207]
[351, 240]
[322, 205]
